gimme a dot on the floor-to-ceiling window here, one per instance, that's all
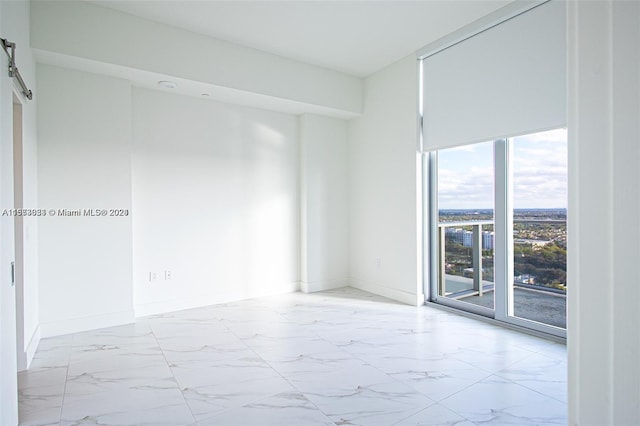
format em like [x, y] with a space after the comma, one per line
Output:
[539, 211]
[493, 110]
[463, 188]
[498, 234]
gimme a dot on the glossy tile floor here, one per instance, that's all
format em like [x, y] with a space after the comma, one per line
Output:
[341, 357]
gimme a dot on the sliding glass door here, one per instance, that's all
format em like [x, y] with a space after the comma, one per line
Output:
[497, 229]
[464, 232]
[539, 251]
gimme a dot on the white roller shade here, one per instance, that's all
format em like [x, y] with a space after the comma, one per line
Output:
[507, 80]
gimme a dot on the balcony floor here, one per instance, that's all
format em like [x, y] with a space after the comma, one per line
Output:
[536, 305]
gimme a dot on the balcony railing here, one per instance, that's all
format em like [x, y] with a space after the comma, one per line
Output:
[471, 284]
[479, 285]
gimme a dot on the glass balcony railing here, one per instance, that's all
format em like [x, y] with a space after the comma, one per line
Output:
[466, 259]
[466, 274]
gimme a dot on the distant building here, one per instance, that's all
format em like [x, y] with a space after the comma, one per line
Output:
[487, 240]
[465, 238]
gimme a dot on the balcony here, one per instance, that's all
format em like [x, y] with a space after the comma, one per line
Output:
[467, 247]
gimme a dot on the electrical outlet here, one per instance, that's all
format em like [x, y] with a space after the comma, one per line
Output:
[378, 263]
[153, 276]
[167, 275]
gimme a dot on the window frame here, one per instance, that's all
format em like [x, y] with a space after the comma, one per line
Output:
[503, 242]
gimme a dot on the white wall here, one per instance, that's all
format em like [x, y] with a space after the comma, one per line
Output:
[14, 25]
[215, 201]
[84, 162]
[604, 207]
[384, 230]
[324, 207]
[212, 191]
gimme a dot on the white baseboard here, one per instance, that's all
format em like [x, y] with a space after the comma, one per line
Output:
[164, 306]
[25, 357]
[75, 325]
[32, 347]
[312, 287]
[390, 293]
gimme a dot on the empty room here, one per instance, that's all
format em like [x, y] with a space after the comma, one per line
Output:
[319, 212]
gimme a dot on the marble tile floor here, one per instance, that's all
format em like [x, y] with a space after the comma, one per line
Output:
[340, 357]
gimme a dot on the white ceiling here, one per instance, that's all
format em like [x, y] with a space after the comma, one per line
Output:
[355, 37]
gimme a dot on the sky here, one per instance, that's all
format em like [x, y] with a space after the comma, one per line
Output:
[465, 174]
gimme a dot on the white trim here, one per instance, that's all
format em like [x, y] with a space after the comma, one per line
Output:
[431, 228]
[24, 356]
[391, 293]
[503, 230]
[17, 142]
[425, 251]
[32, 347]
[164, 306]
[420, 246]
[75, 325]
[312, 287]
